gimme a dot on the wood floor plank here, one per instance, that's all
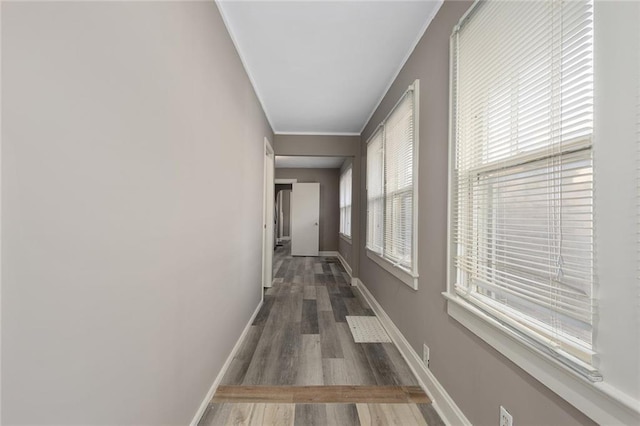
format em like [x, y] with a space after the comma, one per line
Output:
[336, 269]
[338, 307]
[329, 340]
[322, 298]
[403, 415]
[309, 317]
[287, 358]
[248, 346]
[309, 292]
[279, 415]
[257, 416]
[417, 415]
[363, 414]
[310, 364]
[240, 414]
[284, 266]
[240, 363]
[265, 363]
[329, 278]
[334, 371]
[311, 415]
[342, 414]
[320, 394]
[296, 303]
[381, 365]
[358, 365]
[377, 415]
[215, 414]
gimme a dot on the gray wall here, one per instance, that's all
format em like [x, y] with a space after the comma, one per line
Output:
[336, 146]
[329, 180]
[124, 284]
[477, 377]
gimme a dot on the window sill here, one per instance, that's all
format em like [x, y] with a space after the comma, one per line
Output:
[345, 237]
[600, 401]
[401, 274]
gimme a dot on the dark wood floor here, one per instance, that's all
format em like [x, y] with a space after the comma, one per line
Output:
[299, 364]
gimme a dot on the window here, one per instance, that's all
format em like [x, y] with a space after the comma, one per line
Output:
[542, 252]
[523, 204]
[391, 190]
[345, 202]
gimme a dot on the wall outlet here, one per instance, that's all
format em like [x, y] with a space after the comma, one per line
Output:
[425, 354]
[506, 419]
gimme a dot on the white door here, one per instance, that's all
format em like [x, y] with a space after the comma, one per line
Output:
[305, 218]
[268, 216]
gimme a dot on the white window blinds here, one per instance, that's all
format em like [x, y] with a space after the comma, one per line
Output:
[522, 200]
[375, 192]
[398, 174]
[345, 202]
[391, 153]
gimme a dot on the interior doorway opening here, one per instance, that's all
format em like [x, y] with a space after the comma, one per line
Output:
[297, 208]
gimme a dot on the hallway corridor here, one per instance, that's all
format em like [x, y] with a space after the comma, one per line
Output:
[299, 364]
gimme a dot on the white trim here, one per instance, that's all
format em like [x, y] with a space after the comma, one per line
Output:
[269, 160]
[600, 401]
[346, 266]
[328, 253]
[442, 402]
[223, 370]
[277, 133]
[415, 222]
[244, 62]
[427, 22]
[287, 238]
[285, 181]
[404, 276]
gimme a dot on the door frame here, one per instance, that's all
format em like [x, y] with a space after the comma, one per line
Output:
[267, 215]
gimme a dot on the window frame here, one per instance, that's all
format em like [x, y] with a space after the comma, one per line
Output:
[348, 205]
[606, 402]
[402, 273]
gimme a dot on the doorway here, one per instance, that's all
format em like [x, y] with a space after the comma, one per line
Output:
[324, 227]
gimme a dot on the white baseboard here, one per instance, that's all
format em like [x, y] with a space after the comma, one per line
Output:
[345, 265]
[442, 402]
[328, 253]
[224, 369]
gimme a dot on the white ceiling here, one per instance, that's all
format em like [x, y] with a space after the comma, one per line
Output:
[286, 162]
[322, 67]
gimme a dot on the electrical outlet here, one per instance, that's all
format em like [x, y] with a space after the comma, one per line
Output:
[506, 419]
[425, 354]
